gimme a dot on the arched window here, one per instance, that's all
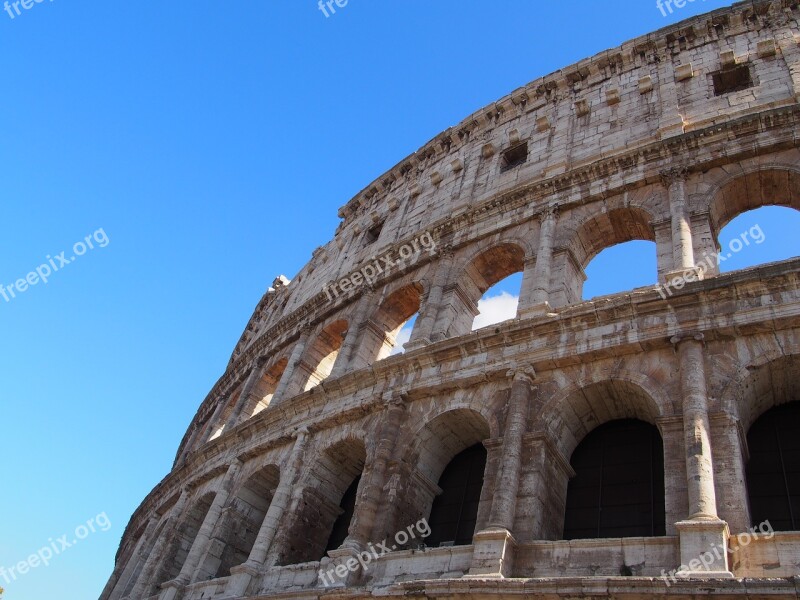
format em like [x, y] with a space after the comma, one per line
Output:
[760, 236]
[615, 250]
[455, 510]
[328, 497]
[342, 524]
[618, 488]
[621, 267]
[499, 303]
[236, 533]
[321, 355]
[391, 325]
[773, 473]
[183, 540]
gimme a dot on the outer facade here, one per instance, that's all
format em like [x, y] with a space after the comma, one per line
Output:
[666, 139]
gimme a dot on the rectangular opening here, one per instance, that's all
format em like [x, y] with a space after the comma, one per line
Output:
[373, 233]
[733, 79]
[514, 157]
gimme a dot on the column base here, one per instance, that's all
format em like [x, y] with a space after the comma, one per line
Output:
[493, 554]
[537, 310]
[416, 344]
[173, 590]
[671, 127]
[704, 549]
[341, 568]
[241, 576]
[682, 276]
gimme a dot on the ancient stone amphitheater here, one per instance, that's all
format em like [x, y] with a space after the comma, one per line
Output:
[584, 449]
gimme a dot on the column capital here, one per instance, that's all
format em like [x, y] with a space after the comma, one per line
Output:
[524, 374]
[673, 175]
[676, 340]
[549, 212]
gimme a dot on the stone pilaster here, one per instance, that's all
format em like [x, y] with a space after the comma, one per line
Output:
[173, 590]
[703, 530]
[287, 382]
[256, 373]
[494, 548]
[682, 244]
[150, 569]
[242, 575]
[537, 301]
[423, 328]
[354, 332]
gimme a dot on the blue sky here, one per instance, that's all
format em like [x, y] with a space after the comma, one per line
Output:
[212, 144]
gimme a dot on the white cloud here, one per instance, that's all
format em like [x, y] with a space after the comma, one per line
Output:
[495, 310]
[402, 337]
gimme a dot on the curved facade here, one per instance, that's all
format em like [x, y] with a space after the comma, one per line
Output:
[585, 449]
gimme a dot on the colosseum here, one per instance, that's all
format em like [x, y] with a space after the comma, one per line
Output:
[639, 444]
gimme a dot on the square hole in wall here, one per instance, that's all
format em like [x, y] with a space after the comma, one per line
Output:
[373, 233]
[514, 157]
[733, 79]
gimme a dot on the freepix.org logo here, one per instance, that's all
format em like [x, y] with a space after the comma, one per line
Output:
[12, 8]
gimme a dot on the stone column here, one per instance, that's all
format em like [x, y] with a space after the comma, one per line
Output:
[213, 422]
[703, 530]
[353, 336]
[423, 328]
[730, 459]
[256, 373]
[538, 301]
[494, 547]
[287, 379]
[364, 519]
[671, 121]
[682, 244]
[149, 571]
[173, 589]
[123, 573]
[242, 575]
[504, 502]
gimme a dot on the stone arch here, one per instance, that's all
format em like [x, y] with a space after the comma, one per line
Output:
[241, 521]
[751, 188]
[266, 387]
[330, 473]
[597, 231]
[575, 411]
[434, 445]
[183, 538]
[320, 356]
[482, 269]
[380, 331]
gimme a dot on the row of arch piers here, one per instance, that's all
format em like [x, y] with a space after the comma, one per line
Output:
[534, 482]
[551, 252]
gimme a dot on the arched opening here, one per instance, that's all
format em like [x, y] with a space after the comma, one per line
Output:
[183, 540]
[390, 326]
[499, 303]
[482, 273]
[265, 389]
[327, 505]
[449, 461]
[218, 427]
[773, 471]
[763, 235]
[342, 524]
[454, 513]
[618, 488]
[626, 240]
[321, 355]
[619, 268]
[236, 534]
